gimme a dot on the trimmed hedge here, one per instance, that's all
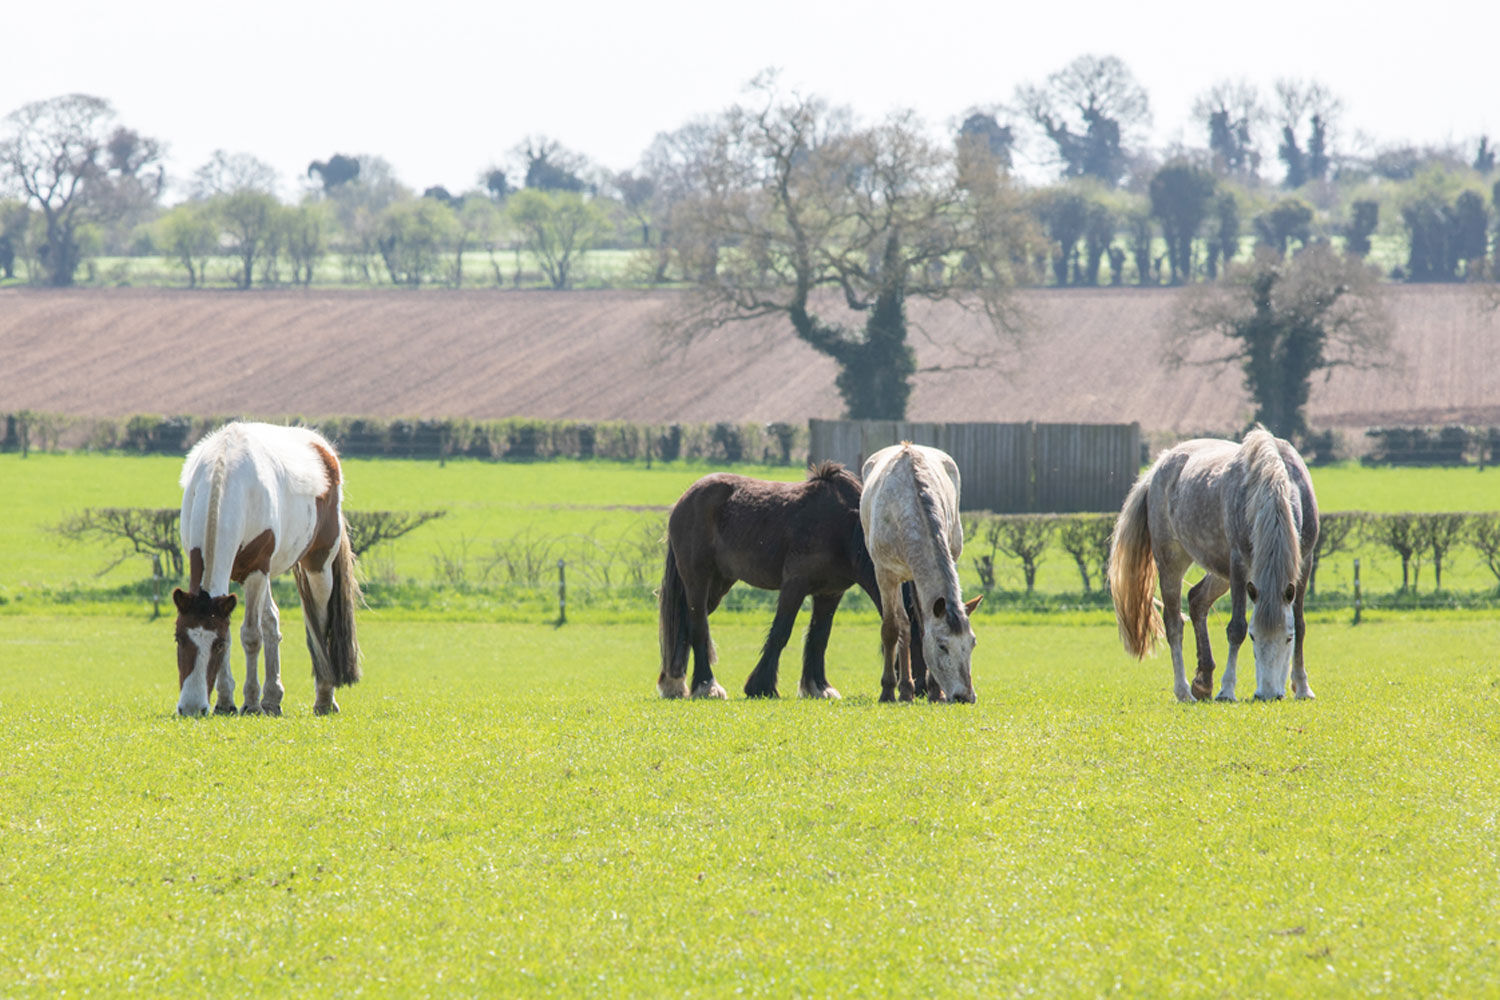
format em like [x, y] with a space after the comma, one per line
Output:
[514, 439]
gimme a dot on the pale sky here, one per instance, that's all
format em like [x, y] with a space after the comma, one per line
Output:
[443, 90]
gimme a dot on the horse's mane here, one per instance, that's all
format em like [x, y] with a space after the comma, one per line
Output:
[827, 470]
[937, 528]
[1275, 538]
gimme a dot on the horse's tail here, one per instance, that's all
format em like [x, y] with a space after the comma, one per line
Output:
[672, 629]
[331, 640]
[339, 638]
[1132, 574]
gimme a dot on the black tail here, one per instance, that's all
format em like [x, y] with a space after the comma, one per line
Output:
[672, 630]
[331, 640]
[342, 643]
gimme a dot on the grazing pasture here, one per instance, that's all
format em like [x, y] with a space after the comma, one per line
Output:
[510, 809]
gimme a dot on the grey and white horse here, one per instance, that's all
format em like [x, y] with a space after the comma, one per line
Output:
[1246, 514]
[909, 510]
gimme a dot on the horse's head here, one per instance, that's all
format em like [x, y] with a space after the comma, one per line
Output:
[202, 646]
[948, 646]
[1273, 630]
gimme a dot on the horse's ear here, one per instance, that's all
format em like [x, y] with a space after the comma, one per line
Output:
[939, 609]
[181, 599]
[969, 606]
[224, 605]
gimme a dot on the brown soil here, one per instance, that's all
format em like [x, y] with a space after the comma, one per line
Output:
[1086, 356]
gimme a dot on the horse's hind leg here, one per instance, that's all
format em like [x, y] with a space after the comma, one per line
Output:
[1300, 687]
[762, 680]
[1201, 600]
[316, 590]
[815, 648]
[1171, 614]
[701, 601]
[895, 642]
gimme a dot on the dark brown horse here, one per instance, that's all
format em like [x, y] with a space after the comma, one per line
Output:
[802, 539]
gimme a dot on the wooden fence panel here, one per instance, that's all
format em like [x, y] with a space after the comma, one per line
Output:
[1006, 468]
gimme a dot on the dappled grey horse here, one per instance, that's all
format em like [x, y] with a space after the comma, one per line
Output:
[1246, 514]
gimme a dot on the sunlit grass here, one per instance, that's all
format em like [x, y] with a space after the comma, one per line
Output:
[508, 809]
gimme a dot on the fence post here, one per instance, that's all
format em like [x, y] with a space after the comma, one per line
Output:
[562, 594]
[155, 585]
[1358, 599]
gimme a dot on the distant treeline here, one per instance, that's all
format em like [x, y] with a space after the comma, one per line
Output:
[1253, 170]
[514, 439]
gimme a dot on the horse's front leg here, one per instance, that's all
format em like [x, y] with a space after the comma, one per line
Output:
[1300, 687]
[815, 648]
[1238, 627]
[1201, 600]
[257, 592]
[762, 680]
[270, 630]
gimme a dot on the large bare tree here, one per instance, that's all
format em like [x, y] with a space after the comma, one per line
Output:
[796, 198]
[1282, 320]
[76, 167]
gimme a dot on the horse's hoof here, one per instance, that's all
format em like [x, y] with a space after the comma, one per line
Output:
[223, 709]
[1202, 691]
[1225, 697]
[272, 710]
[325, 710]
[887, 696]
[826, 692]
[710, 689]
[674, 687]
[753, 692]
[250, 709]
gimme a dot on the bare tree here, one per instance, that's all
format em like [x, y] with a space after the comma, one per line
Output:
[76, 168]
[1438, 533]
[1089, 109]
[1484, 535]
[1306, 100]
[1398, 532]
[1337, 532]
[1024, 537]
[145, 530]
[1282, 320]
[800, 199]
[369, 528]
[1086, 538]
[1231, 111]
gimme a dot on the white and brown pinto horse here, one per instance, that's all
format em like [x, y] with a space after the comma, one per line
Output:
[909, 511]
[1246, 514]
[259, 500]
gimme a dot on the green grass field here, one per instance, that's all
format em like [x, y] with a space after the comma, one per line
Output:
[506, 808]
[509, 810]
[604, 518]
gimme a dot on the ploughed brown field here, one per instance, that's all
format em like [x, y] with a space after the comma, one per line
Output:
[1085, 355]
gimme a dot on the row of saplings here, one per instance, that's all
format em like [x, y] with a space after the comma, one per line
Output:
[260, 500]
[1085, 538]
